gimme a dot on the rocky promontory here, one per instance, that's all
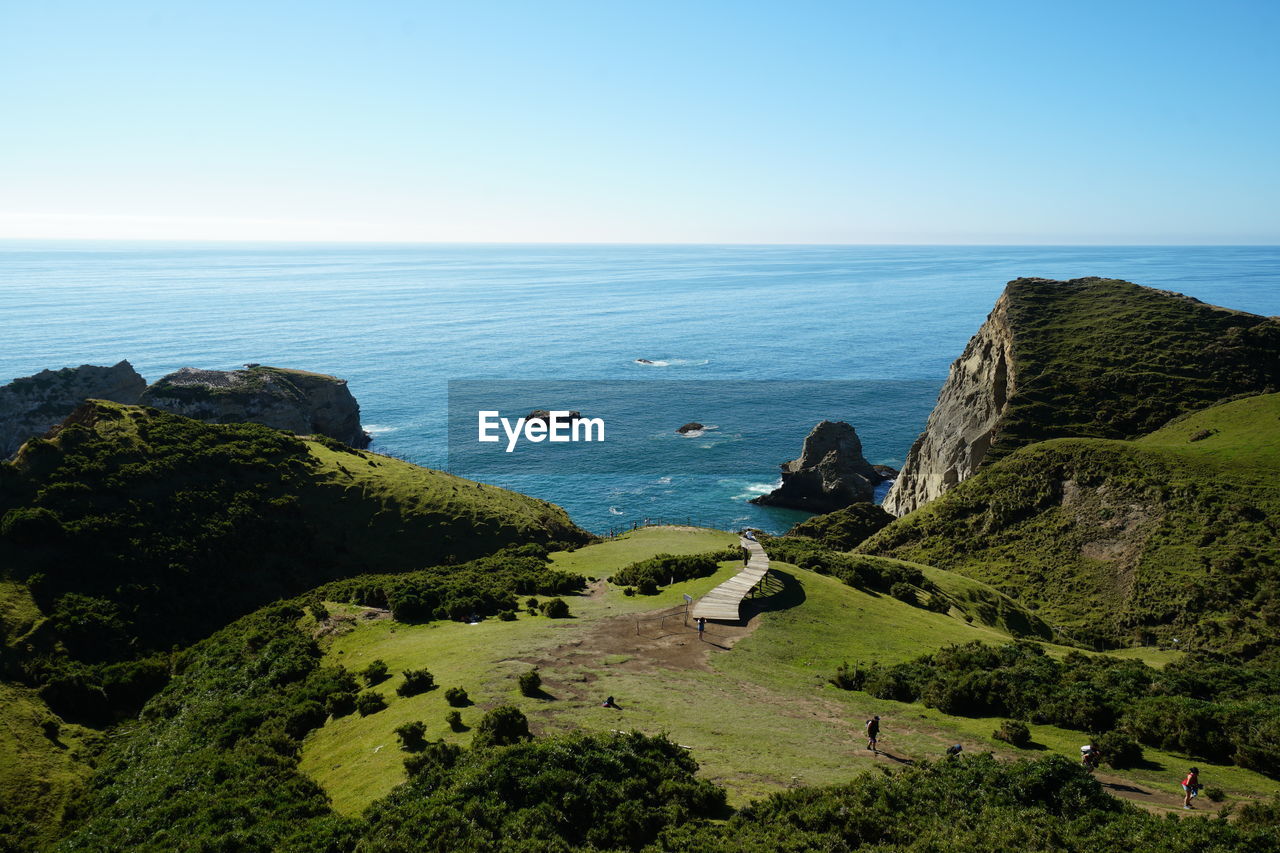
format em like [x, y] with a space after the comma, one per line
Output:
[295, 400]
[1089, 357]
[829, 474]
[33, 405]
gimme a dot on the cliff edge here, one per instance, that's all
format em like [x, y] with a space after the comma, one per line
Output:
[33, 405]
[294, 400]
[1089, 357]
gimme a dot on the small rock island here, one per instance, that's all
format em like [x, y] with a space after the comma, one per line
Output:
[830, 473]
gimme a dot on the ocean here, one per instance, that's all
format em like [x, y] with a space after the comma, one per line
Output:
[401, 322]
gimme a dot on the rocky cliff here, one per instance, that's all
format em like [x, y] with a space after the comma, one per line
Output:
[963, 423]
[1090, 357]
[33, 405]
[295, 400]
[829, 474]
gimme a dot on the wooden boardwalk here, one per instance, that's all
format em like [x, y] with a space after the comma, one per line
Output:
[723, 603]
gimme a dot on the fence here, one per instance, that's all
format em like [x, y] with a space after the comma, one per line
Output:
[673, 521]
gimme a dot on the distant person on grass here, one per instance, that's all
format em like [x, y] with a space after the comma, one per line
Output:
[609, 703]
[873, 733]
[702, 626]
[1190, 787]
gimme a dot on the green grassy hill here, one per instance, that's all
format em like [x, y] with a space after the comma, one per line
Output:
[133, 532]
[1105, 358]
[1173, 535]
[753, 705]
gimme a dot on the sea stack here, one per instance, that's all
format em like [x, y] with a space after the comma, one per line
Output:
[830, 473]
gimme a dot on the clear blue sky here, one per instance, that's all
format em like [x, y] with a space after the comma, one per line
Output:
[809, 122]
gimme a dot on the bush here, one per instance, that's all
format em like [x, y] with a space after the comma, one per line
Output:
[848, 678]
[375, 673]
[340, 704]
[507, 615]
[904, 592]
[665, 568]
[556, 608]
[412, 736]
[531, 683]
[454, 721]
[631, 590]
[1118, 750]
[434, 755]
[502, 726]
[370, 702]
[457, 697]
[416, 681]
[1014, 732]
[318, 611]
[646, 586]
[1215, 795]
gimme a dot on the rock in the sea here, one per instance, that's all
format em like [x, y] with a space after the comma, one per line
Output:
[692, 426]
[295, 400]
[886, 472]
[33, 405]
[829, 475]
[544, 415]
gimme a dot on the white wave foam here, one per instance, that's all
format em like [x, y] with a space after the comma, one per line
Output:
[375, 429]
[672, 362]
[664, 480]
[613, 510]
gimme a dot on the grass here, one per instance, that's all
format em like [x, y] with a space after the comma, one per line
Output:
[1125, 542]
[1105, 358]
[759, 718]
[39, 774]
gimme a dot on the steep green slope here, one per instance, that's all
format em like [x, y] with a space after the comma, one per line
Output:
[1173, 536]
[133, 532]
[1110, 359]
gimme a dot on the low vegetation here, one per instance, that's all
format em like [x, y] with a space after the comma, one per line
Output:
[652, 574]
[1206, 709]
[843, 529]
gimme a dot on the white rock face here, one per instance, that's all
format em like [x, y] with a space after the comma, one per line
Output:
[33, 405]
[965, 420]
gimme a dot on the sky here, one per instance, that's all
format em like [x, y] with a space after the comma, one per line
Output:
[631, 122]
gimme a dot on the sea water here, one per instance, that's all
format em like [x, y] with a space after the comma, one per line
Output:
[400, 322]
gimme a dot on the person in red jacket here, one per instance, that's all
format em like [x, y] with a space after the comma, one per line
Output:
[1191, 785]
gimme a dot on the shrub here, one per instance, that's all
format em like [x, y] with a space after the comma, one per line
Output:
[434, 755]
[340, 704]
[507, 615]
[456, 697]
[318, 611]
[530, 682]
[370, 702]
[1014, 732]
[1215, 795]
[416, 681]
[375, 673]
[904, 592]
[555, 608]
[1119, 750]
[848, 678]
[646, 586]
[531, 604]
[412, 736]
[665, 568]
[502, 726]
[631, 590]
[454, 721]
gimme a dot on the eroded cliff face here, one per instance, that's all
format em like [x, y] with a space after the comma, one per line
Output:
[33, 405]
[295, 400]
[966, 419]
[830, 473]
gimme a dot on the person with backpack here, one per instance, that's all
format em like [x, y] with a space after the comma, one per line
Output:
[873, 733]
[1191, 787]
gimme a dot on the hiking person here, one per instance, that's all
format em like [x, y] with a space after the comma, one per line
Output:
[702, 626]
[1190, 787]
[609, 703]
[954, 750]
[873, 733]
[1090, 756]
